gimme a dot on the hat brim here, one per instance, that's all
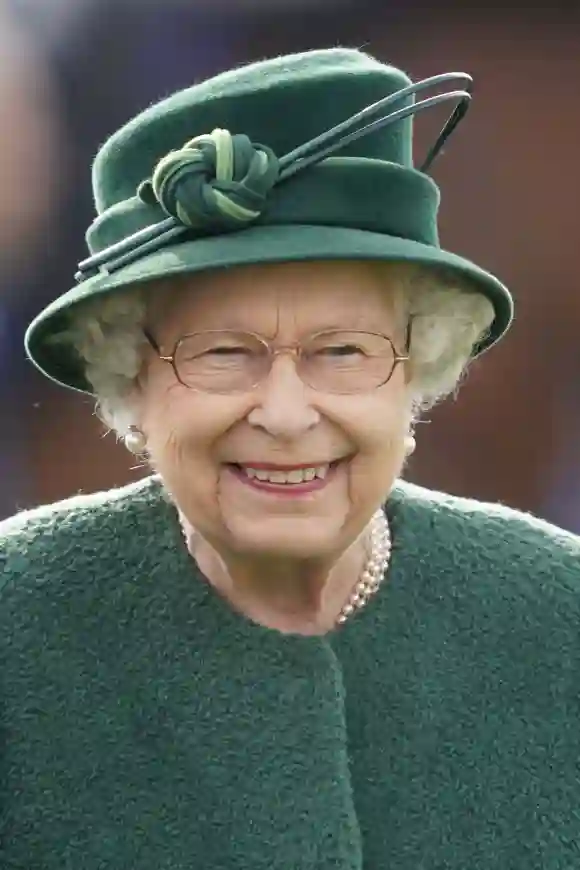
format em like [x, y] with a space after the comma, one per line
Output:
[257, 244]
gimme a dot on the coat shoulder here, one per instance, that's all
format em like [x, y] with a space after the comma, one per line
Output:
[48, 537]
[491, 535]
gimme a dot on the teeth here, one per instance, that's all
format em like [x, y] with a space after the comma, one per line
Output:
[298, 475]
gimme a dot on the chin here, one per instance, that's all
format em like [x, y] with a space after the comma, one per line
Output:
[291, 537]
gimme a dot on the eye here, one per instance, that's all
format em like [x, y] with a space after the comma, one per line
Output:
[228, 350]
[338, 350]
[224, 352]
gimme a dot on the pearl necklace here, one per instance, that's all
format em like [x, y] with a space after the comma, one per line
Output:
[375, 568]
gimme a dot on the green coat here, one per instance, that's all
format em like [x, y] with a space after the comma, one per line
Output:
[146, 726]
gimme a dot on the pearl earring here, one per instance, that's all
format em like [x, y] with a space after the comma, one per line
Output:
[135, 441]
[410, 445]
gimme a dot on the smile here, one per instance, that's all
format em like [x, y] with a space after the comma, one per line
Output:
[294, 475]
[285, 479]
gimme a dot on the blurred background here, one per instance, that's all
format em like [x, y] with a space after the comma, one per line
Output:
[71, 71]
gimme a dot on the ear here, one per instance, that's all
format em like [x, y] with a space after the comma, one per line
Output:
[135, 441]
[410, 445]
[131, 429]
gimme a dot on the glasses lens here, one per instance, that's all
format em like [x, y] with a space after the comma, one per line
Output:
[347, 362]
[221, 361]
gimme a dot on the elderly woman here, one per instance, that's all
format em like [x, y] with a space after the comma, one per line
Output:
[272, 653]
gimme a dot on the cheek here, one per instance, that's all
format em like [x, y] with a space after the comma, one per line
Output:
[378, 431]
[180, 421]
[378, 421]
[184, 431]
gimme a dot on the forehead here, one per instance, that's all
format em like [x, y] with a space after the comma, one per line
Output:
[280, 298]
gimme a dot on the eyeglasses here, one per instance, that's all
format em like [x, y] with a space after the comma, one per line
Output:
[333, 361]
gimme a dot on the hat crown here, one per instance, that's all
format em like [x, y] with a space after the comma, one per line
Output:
[281, 103]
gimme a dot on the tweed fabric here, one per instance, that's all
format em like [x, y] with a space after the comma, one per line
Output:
[146, 725]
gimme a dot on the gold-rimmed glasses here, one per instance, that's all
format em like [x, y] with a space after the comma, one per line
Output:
[333, 361]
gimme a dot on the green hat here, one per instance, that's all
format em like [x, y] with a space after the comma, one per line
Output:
[304, 157]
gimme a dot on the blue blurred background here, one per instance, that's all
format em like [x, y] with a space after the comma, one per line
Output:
[71, 71]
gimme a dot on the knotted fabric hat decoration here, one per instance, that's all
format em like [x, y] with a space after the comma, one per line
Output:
[304, 157]
[215, 182]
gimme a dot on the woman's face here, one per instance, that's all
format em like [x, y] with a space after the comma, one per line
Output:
[205, 445]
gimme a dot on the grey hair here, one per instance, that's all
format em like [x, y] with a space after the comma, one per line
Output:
[448, 320]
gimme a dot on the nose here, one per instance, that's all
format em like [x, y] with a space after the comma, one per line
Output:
[283, 408]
